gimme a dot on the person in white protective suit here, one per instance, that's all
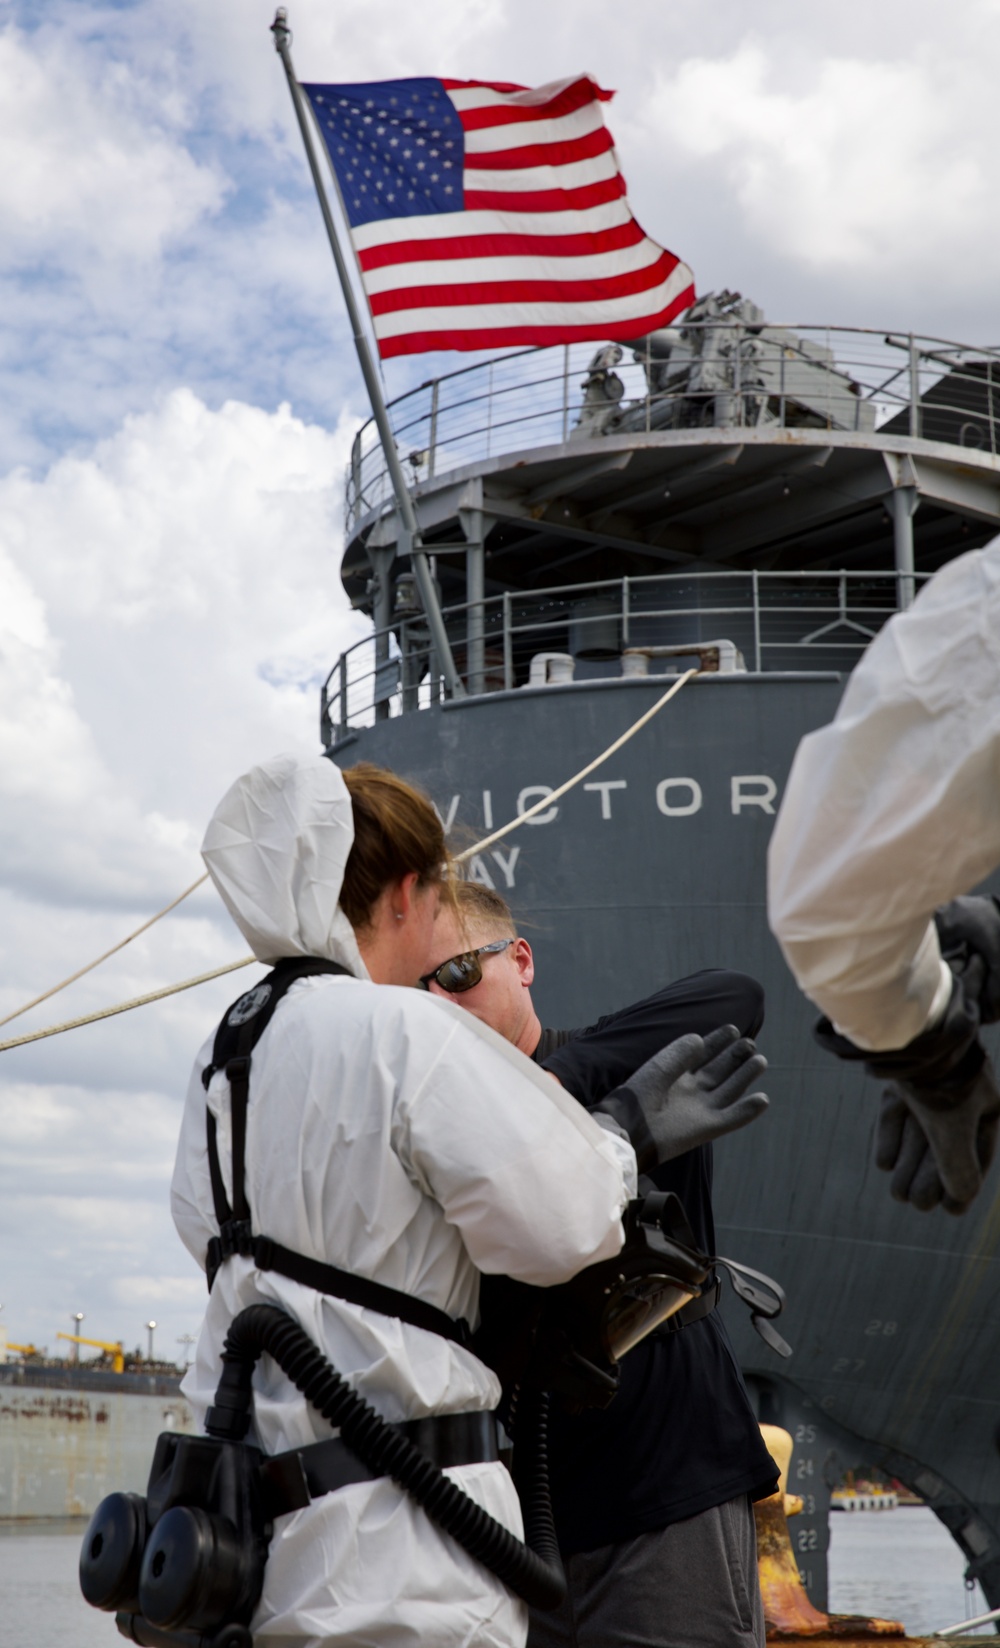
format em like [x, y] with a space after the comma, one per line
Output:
[391, 1135]
[889, 813]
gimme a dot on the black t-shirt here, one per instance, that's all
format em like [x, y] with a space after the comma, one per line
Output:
[680, 1436]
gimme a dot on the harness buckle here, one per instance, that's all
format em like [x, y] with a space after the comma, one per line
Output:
[236, 1236]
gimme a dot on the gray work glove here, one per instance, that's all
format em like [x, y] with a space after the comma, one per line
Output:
[938, 1156]
[940, 1149]
[691, 1092]
[968, 929]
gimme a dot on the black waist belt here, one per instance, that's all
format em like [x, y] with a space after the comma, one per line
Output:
[291, 1480]
[693, 1312]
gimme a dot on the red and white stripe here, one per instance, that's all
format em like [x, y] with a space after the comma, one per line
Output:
[546, 249]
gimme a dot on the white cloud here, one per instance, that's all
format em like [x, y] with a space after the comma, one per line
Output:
[173, 604]
[861, 165]
[89, 161]
[381, 40]
[59, 815]
[181, 1293]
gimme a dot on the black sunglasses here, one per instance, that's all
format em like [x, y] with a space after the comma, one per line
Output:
[464, 972]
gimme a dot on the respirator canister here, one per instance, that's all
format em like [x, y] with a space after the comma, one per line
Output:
[185, 1564]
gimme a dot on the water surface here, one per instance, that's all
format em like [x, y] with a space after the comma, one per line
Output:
[899, 1564]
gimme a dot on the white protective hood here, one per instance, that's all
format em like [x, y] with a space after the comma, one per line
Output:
[276, 848]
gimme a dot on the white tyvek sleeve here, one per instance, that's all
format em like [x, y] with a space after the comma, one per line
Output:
[623, 1149]
[535, 1186]
[893, 809]
[191, 1185]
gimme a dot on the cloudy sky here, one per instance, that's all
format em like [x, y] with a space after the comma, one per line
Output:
[177, 399]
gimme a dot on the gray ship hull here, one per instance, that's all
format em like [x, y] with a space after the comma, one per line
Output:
[653, 870]
[69, 1438]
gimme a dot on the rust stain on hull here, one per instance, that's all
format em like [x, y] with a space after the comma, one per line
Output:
[61, 1451]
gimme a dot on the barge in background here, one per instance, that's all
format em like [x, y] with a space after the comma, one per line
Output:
[72, 1432]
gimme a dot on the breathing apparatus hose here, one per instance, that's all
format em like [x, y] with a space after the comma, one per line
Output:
[531, 1478]
[532, 1571]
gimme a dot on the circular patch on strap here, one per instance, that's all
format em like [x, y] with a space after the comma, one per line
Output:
[249, 1005]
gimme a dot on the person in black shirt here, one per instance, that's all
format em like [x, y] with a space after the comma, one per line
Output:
[651, 1495]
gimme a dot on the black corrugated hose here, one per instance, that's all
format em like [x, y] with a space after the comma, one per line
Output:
[532, 1571]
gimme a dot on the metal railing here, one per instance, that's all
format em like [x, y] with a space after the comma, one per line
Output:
[721, 373]
[798, 621]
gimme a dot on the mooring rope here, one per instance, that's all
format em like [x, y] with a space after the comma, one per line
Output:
[554, 795]
[247, 961]
[112, 952]
[126, 1006]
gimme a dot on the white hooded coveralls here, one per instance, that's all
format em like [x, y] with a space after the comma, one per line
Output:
[396, 1137]
[892, 810]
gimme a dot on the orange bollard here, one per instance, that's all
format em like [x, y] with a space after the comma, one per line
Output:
[788, 1613]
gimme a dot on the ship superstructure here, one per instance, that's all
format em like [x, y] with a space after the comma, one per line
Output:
[754, 500]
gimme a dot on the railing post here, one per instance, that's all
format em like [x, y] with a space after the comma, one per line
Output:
[356, 475]
[649, 383]
[989, 402]
[433, 436]
[381, 561]
[756, 618]
[626, 611]
[475, 582]
[409, 666]
[914, 389]
[904, 505]
[738, 374]
[508, 645]
[344, 721]
[565, 394]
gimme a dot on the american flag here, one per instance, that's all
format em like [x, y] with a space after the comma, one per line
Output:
[486, 215]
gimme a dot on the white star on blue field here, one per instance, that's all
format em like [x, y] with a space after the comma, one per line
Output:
[397, 147]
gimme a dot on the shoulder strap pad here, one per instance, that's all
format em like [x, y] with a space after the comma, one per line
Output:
[242, 1027]
[245, 1021]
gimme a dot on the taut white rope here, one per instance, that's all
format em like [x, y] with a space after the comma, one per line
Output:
[112, 952]
[126, 1006]
[232, 966]
[554, 795]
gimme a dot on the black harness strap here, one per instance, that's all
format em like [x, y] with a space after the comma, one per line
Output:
[238, 1076]
[237, 1035]
[223, 1211]
[290, 1480]
[357, 1290]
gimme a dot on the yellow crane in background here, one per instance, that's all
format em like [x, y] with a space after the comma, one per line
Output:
[25, 1350]
[115, 1351]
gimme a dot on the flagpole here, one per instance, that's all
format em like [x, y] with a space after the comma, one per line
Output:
[404, 502]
